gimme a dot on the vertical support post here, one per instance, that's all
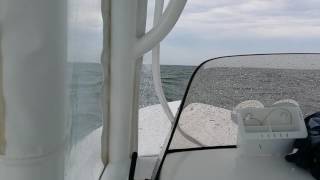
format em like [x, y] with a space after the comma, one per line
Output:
[141, 29]
[124, 45]
[123, 37]
[2, 115]
[105, 61]
[120, 87]
[34, 53]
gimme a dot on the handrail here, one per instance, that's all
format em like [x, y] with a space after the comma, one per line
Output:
[156, 65]
[157, 77]
[161, 30]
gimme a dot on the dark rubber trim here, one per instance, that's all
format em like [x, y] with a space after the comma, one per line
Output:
[133, 165]
[170, 151]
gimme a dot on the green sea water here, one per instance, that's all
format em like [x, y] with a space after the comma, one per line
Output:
[85, 93]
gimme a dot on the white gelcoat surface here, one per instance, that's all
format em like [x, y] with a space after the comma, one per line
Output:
[85, 158]
[225, 164]
[154, 127]
[210, 125]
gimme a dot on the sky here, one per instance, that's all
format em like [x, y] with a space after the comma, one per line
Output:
[211, 28]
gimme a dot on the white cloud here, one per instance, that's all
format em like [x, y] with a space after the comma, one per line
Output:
[85, 31]
[85, 14]
[211, 28]
[260, 18]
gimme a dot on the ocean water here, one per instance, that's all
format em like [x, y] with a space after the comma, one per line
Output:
[174, 80]
[228, 87]
[85, 93]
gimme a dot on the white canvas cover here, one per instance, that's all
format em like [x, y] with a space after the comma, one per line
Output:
[32, 86]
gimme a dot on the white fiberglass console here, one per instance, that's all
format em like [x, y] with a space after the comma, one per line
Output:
[267, 131]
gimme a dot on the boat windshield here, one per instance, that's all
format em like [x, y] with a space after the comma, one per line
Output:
[219, 85]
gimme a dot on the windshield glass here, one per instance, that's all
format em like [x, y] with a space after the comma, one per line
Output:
[220, 85]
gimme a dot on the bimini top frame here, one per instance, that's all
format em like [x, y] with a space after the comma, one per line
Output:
[124, 44]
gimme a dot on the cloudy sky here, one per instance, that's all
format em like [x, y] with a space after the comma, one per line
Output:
[211, 28]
